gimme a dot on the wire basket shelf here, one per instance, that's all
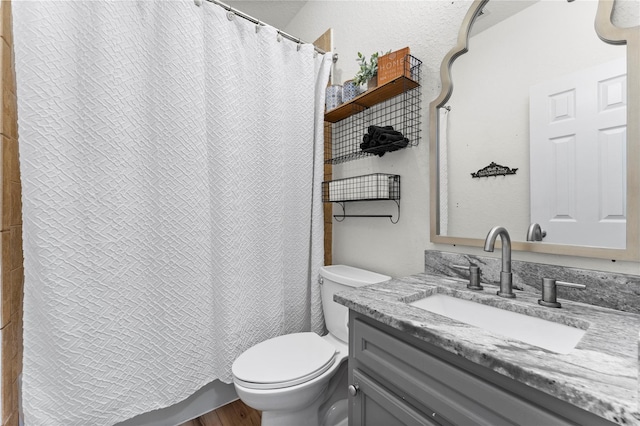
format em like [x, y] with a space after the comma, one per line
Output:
[395, 104]
[376, 186]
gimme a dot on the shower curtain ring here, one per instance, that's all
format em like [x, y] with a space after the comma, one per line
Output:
[198, 2]
[299, 45]
[279, 38]
[258, 26]
[230, 15]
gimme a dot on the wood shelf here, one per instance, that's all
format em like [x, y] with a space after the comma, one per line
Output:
[370, 98]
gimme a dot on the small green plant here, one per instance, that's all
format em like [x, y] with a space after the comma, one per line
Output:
[368, 69]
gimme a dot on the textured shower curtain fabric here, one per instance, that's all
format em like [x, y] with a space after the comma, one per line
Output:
[171, 203]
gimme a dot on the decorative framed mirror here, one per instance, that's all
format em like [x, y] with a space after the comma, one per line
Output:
[544, 93]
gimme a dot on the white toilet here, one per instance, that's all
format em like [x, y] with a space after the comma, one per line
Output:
[300, 379]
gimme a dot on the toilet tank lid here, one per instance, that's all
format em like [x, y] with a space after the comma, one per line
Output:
[350, 276]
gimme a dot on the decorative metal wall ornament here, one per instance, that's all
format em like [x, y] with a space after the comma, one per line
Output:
[494, 169]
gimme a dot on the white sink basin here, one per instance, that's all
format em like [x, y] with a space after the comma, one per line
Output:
[545, 334]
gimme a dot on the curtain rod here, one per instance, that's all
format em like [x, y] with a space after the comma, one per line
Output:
[257, 22]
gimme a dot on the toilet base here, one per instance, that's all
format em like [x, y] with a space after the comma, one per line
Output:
[306, 417]
[337, 415]
[329, 409]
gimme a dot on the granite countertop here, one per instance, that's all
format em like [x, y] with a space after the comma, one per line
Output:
[600, 375]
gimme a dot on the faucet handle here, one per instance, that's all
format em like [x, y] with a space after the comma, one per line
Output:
[474, 276]
[550, 291]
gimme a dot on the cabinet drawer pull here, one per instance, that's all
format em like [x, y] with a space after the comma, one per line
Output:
[353, 390]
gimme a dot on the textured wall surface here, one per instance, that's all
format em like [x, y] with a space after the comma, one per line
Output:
[430, 28]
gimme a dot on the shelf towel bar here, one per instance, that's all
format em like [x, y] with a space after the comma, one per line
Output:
[341, 217]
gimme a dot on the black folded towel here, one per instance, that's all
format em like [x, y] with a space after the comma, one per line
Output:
[376, 131]
[371, 139]
[366, 140]
[372, 130]
[381, 139]
[385, 138]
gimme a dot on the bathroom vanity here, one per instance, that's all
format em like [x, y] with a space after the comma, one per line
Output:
[410, 366]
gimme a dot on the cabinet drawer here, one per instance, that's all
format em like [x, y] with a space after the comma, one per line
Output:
[429, 383]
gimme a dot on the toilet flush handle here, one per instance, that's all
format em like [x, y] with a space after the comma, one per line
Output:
[353, 390]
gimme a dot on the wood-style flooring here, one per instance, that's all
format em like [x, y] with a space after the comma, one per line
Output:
[233, 414]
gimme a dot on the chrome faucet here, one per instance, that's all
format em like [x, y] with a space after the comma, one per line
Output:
[506, 278]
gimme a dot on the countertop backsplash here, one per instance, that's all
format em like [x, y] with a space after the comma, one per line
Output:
[606, 289]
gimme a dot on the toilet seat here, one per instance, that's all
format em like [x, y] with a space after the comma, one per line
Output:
[284, 361]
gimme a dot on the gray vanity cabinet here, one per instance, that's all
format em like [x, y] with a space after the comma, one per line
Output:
[398, 379]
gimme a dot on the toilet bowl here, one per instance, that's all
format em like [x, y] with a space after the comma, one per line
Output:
[300, 379]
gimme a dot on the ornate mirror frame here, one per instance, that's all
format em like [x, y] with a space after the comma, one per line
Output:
[607, 32]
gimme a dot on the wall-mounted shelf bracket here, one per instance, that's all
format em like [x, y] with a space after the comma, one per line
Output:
[341, 217]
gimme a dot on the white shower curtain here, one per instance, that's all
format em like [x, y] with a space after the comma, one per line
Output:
[171, 204]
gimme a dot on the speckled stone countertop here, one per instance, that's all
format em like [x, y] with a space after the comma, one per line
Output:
[600, 375]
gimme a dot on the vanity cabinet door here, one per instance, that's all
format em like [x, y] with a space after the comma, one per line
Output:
[373, 405]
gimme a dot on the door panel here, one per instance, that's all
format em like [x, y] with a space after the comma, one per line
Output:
[578, 156]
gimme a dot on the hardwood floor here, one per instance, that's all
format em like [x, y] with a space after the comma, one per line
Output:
[233, 414]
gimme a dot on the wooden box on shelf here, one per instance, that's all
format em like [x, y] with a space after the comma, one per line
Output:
[394, 65]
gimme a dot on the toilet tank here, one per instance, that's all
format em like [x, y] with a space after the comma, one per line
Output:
[336, 278]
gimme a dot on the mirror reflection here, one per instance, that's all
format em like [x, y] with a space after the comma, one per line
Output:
[539, 92]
